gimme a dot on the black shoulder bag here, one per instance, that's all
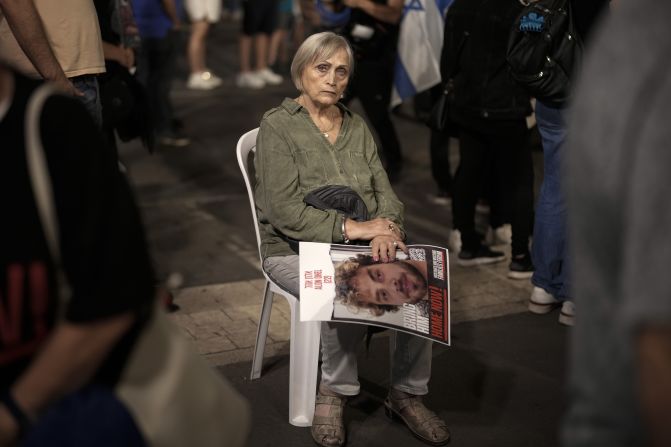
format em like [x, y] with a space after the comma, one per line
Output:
[334, 197]
[544, 50]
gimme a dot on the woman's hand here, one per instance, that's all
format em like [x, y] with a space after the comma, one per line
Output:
[384, 248]
[370, 229]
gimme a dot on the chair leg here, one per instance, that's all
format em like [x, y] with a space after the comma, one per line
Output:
[304, 359]
[262, 332]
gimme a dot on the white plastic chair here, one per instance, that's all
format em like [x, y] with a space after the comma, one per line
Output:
[304, 348]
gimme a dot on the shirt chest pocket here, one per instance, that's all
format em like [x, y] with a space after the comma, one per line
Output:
[313, 167]
[359, 169]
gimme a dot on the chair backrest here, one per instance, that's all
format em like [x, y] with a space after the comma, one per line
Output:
[247, 145]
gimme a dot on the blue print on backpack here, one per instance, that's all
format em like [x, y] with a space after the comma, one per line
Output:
[532, 22]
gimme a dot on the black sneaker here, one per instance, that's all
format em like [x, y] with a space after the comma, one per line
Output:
[481, 255]
[521, 267]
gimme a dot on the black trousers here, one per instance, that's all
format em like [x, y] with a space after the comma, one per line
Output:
[155, 69]
[371, 84]
[439, 147]
[511, 172]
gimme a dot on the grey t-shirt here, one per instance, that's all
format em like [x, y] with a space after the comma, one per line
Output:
[618, 184]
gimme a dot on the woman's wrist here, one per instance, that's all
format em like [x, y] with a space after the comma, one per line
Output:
[343, 229]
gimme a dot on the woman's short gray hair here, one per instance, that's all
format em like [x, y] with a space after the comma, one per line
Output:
[318, 46]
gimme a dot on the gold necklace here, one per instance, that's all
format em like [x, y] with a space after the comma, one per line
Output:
[324, 132]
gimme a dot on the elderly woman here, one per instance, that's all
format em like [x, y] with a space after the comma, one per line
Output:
[306, 143]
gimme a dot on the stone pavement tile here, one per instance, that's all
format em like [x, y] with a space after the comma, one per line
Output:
[207, 332]
[246, 311]
[214, 345]
[220, 317]
[241, 293]
[195, 299]
[242, 332]
[184, 322]
[279, 328]
[245, 354]
[239, 326]
[491, 311]
[281, 305]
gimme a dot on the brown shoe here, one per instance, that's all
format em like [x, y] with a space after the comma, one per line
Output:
[328, 429]
[422, 422]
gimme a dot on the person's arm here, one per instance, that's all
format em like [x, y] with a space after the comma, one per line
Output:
[124, 56]
[390, 13]
[50, 376]
[171, 11]
[26, 25]
[653, 347]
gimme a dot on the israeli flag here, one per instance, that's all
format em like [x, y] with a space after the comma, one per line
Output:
[419, 45]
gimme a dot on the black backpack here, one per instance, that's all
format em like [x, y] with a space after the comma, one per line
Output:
[544, 50]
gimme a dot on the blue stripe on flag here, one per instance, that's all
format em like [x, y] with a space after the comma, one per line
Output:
[442, 6]
[402, 81]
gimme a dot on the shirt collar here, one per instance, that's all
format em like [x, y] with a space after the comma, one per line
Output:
[291, 106]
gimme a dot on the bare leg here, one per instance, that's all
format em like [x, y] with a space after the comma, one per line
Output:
[276, 39]
[196, 47]
[261, 47]
[245, 53]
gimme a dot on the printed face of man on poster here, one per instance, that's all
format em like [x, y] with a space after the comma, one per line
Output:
[380, 287]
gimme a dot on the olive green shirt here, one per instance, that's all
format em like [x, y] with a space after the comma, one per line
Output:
[293, 158]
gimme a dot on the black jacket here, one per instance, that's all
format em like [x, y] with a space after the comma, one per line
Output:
[486, 98]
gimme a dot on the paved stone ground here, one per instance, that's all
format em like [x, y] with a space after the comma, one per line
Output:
[222, 318]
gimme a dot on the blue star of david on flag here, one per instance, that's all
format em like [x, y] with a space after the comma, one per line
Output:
[413, 5]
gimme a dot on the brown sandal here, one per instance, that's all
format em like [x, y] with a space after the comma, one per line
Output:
[329, 431]
[422, 422]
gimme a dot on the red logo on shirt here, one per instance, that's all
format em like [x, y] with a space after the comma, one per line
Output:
[16, 340]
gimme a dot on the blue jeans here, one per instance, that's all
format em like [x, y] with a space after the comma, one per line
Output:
[88, 85]
[549, 241]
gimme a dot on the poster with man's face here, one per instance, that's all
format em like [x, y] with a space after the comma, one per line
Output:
[410, 293]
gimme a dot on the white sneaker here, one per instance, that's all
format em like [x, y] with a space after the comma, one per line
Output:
[270, 77]
[249, 80]
[567, 314]
[541, 302]
[454, 241]
[502, 235]
[204, 80]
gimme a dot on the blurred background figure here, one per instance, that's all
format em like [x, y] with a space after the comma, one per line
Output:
[618, 188]
[282, 38]
[160, 22]
[61, 356]
[57, 41]
[490, 111]
[123, 99]
[231, 10]
[551, 278]
[202, 13]
[259, 22]
[372, 31]
[439, 146]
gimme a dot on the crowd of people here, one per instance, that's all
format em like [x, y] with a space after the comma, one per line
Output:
[586, 244]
